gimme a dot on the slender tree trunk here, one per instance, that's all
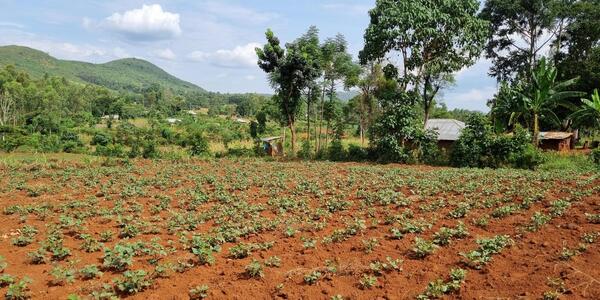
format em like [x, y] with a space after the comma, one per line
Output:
[321, 118]
[532, 37]
[326, 136]
[308, 123]
[536, 130]
[283, 142]
[293, 136]
[362, 134]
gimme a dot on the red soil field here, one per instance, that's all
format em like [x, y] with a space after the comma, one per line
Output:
[339, 231]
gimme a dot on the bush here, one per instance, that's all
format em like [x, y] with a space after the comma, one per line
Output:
[595, 157]
[480, 147]
[357, 153]
[529, 158]
[336, 151]
[101, 139]
[112, 150]
[198, 144]
[150, 150]
[305, 152]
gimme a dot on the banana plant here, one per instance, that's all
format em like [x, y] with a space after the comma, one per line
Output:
[589, 112]
[545, 95]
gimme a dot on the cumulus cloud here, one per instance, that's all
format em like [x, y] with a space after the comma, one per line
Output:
[166, 54]
[148, 23]
[238, 57]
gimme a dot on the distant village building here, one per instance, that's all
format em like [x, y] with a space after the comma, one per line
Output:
[172, 120]
[448, 131]
[243, 121]
[113, 117]
[556, 141]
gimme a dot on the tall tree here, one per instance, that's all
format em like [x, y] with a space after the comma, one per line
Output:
[309, 45]
[338, 67]
[290, 72]
[365, 104]
[520, 29]
[579, 47]
[433, 39]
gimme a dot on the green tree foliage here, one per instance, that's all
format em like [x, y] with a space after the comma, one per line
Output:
[395, 134]
[290, 72]
[198, 144]
[309, 45]
[433, 39]
[579, 54]
[589, 113]
[517, 35]
[338, 67]
[545, 94]
[364, 106]
[479, 146]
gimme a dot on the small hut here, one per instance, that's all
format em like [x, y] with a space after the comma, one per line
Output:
[448, 131]
[555, 141]
[272, 146]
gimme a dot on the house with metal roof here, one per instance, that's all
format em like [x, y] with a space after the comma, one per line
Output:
[448, 130]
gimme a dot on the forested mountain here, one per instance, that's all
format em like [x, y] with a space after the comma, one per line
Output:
[129, 74]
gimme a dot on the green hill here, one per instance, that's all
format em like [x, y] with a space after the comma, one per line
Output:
[128, 74]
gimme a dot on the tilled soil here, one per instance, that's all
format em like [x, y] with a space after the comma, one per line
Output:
[262, 200]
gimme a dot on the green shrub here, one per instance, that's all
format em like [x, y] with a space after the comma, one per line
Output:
[357, 153]
[198, 144]
[595, 157]
[305, 152]
[530, 158]
[480, 147]
[336, 151]
[150, 150]
[111, 150]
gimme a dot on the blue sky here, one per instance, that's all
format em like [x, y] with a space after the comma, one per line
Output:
[207, 42]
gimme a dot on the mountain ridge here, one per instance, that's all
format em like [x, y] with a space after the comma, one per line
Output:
[126, 74]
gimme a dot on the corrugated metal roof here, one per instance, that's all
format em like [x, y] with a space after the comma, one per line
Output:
[447, 129]
[269, 139]
[555, 135]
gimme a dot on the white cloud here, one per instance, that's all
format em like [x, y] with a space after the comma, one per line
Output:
[145, 24]
[87, 23]
[238, 57]
[475, 99]
[11, 24]
[238, 13]
[166, 54]
[250, 77]
[199, 56]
